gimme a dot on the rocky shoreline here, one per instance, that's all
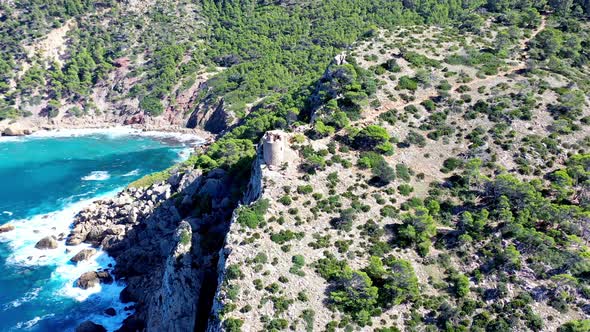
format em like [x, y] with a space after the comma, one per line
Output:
[164, 251]
[25, 127]
[138, 237]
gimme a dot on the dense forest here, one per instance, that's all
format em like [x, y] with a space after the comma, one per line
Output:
[267, 48]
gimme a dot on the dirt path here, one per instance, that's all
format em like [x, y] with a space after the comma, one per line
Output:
[473, 85]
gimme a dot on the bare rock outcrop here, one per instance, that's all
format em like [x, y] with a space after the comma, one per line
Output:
[161, 239]
[213, 118]
[48, 242]
[83, 255]
[6, 228]
[93, 278]
[180, 287]
[18, 129]
[89, 326]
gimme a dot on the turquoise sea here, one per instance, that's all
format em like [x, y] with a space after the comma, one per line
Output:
[44, 181]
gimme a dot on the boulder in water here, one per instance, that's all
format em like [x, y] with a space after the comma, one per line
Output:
[87, 280]
[48, 242]
[89, 326]
[17, 130]
[73, 240]
[6, 228]
[83, 255]
[110, 312]
[132, 324]
[93, 278]
[105, 277]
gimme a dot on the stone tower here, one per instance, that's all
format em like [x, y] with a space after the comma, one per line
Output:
[273, 148]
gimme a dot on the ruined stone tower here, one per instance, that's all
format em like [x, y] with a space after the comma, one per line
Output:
[273, 148]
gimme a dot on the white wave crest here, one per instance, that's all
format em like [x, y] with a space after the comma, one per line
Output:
[132, 173]
[22, 242]
[183, 154]
[194, 140]
[120, 131]
[30, 323]
[31, 295]
[60, 133]
[11, 138]
[97, 176]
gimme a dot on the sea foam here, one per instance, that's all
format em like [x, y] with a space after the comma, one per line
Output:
[22, 242]
[31, 295]
[132, 173]
[97, 176]
[119, 131]
[30, 323]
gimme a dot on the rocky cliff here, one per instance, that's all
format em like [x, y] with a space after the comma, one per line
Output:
[253, 193]
[165, 239]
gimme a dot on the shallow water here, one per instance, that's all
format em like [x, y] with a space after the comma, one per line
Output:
[44, 181]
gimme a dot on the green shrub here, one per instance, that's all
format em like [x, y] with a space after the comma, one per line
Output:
[285, 200]
[305, 189]
[355, 294]
[405, 189]
[185, 237]
[251, 216]
[150, 179]
[582, 325]
[406, 83]
[451, 164]
[383, 174]
[285, 236]
[233, 272]
[372, 137]
[403, 172]
[344, 222]
[233, 324]
[429, 105]
[151, 105]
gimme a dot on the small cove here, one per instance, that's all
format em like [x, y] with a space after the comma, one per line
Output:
[45, 180]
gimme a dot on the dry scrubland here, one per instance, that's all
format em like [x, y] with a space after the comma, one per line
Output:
[320, 215]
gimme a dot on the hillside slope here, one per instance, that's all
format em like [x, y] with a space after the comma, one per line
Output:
[470, 222]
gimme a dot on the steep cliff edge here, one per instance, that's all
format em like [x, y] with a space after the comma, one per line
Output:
[253, 193]
[273, 161]
[169, 240]
[175, 298]
[164, 249]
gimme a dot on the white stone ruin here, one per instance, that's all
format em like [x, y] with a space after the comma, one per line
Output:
[273, 148]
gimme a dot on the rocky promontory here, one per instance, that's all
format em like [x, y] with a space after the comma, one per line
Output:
[164, 247]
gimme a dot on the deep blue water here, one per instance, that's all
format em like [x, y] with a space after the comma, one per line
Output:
[44, 181]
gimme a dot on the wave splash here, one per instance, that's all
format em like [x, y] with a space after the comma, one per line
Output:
[132, 173]
[97, 176]
[114, 132]
[22, 242]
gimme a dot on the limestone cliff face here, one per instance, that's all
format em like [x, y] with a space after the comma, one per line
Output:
[253, 192]
[164, 249]
[213, 117]
[168, 241]
[173, 305]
